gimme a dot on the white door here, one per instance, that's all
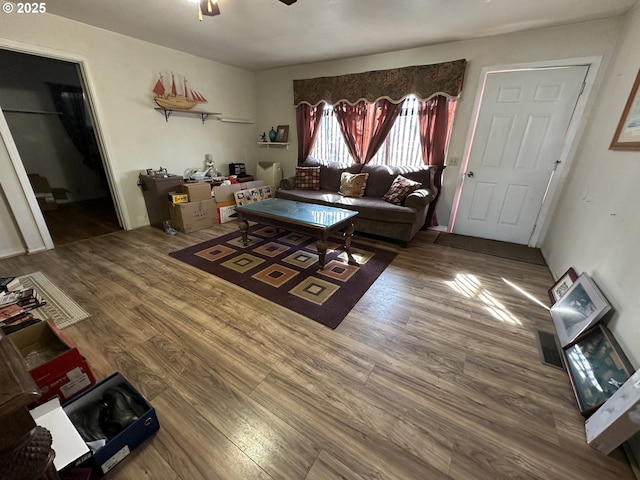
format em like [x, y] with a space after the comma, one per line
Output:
[519, 134]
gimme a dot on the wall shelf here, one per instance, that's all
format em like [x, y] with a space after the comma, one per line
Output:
[274, 144]
[187, 113]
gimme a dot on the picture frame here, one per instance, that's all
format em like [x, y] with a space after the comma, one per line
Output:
[579, 309]
[282, 134]
[597, 368]
[627, 135]
[562, 285]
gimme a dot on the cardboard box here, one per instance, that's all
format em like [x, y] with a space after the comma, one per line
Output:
[175, 197]
[43, 191]
[226, 212]
[197, 191]
[618, 419]
[54, 363]
[69, 446]
[118, 447]
[193, 216]
[224, 193]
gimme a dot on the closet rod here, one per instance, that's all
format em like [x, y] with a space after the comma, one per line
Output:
[38, 112]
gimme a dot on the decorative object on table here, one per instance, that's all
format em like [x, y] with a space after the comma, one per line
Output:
[627, 136]
[597, 368]
[272, 135]
[59, 308]
[579, 309]
[282, 134]
[281, 266]
[172, 99]
[562, 285]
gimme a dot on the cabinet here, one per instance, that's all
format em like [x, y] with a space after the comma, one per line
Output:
[155, 190]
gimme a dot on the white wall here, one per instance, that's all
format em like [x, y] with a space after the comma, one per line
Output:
[275, 87]
[596, 226]
[122, 72]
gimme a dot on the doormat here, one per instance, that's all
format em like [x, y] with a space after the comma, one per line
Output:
[59, 307]
[282, 267]
[512, 251]
[549, 349]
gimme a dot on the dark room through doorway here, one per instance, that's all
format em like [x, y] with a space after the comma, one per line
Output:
[47, 111]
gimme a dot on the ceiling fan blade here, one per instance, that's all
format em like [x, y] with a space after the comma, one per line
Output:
[209, 8]
[288, 2]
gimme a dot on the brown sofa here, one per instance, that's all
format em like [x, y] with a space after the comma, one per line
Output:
[375, 215]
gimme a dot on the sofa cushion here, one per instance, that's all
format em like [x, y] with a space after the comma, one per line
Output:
[331, 173]
[307, 178]
[353, 184]
[400, 188]
[382, 176]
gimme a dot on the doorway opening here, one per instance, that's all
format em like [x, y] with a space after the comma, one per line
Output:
[47, 111]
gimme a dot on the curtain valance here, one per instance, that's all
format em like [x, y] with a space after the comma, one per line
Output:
[424, 81]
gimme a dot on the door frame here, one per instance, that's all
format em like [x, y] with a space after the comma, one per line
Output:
[569, 147]
[6, 136]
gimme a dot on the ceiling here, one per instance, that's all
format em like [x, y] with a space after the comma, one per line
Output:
[264, 34]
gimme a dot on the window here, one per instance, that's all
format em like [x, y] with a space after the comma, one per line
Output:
[400, 148]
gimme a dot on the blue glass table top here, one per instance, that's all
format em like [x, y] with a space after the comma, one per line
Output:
[298, 212]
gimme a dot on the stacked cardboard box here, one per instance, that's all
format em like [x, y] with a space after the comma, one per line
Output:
[198, 212]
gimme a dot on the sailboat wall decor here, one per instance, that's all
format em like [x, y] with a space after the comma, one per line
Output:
[172, 100]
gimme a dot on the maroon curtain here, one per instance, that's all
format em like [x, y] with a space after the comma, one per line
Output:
[364, 126]
[307, 120]
[434, 115]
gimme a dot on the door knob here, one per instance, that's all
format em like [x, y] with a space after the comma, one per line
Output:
[469, 174]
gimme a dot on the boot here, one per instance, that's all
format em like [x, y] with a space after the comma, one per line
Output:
[123, 409]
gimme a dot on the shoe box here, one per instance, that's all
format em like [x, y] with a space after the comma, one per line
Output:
[117, 447]
[53, 361]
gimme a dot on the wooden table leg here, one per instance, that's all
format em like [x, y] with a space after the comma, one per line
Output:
[244, 231]
[348, 235]
[321, 246]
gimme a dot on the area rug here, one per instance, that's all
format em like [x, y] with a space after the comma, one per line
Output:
[59, 306]
[283, 267]
[496, 248]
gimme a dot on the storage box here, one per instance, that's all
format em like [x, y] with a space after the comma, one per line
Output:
[224, 193]
[43, 191]
[54, 363]
[197, 191]
[193, 216]
[253, 195]
[175, 197]
[226, 212]
[119, 446]
[69, 446]
[618, 419]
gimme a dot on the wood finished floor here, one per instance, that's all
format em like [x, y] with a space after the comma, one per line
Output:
[433, 375]
[75, 221]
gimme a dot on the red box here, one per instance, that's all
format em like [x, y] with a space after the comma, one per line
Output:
[53, 361]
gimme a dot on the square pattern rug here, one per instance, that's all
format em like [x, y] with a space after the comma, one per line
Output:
[282, 267]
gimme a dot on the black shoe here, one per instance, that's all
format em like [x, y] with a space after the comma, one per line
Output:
[87, 421]
[123, 409]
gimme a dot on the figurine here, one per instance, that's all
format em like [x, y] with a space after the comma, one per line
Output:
[264, 136]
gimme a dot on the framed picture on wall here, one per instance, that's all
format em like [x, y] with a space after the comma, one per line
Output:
[579, 309]
[282, 134]
[562, 285]
[627, 136]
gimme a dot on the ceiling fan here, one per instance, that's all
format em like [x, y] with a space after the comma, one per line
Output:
[210, 8]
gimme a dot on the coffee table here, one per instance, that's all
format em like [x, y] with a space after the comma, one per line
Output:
[307, 218]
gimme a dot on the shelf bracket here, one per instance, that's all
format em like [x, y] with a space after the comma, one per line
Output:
[204, 116]
[167, 114]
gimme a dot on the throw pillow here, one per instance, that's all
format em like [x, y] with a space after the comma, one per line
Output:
[400, 189]
[307, 178]
[353, 184]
